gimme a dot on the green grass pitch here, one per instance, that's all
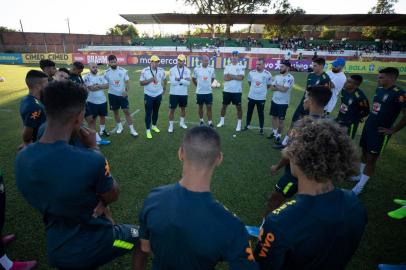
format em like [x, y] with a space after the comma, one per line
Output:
[241, 183]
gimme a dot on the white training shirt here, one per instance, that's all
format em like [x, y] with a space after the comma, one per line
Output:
[116, 79]
[259, 84]
[153, 89]
[338, 79]
[203, 77]
[95, 97]
[287, 81]
[233, 86]
[179, 88]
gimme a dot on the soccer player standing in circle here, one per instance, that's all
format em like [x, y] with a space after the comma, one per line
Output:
[202, 78]
[282, 87]
[154, 81]
[389, 101]
[233, 76]
[180, 81]
[259, 81]
[119, 86]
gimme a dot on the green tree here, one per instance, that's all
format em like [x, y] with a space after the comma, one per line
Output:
[124, 30]
[6, 29]
[227, 7]
[383, 7]
[284, 31]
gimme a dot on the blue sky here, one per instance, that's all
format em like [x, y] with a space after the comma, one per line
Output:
[95, 17]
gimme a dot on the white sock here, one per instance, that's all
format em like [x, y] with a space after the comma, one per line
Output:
[102, 128]
[285, 140]
[363, 181]
[278, 135]
[98, 139]
[119, 125]
[222, 120]
[6, 262]
[182, 120]
[148, 130]
[239, 122]
[171, 123]
[209, 122]
[275, 131]
[361, 168]
[201, 120]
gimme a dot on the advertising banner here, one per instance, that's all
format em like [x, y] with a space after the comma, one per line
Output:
[11, 58]
[99, 58]
[58, 58]
[144, 60]
[194, 61]
[227, 61]
[274, 64]
[371, 67]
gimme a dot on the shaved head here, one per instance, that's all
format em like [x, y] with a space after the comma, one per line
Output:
[93, 67]
[201, 146]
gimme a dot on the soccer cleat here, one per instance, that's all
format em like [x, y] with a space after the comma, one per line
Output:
[119, 130]
[398, 214]
[24, 265]
[261, 131]
[271, 136]
[170, 128]
[201, 123]
[149, 135]
[7, 239]
[278, 146]
[104, 133]
[134, 133]
[155, 129]
[245, 128]
[103, 142]
[357, 189]
[399, 201]
[221, 124]
[182, 125]
[211, 125]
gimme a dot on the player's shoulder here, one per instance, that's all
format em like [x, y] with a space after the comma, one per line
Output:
[30, 102]
[398, 89]
[290, 76]
[253, 71]
[224, 215]
[325, 76]
[267, 73]
[122, 69]
[161, 193]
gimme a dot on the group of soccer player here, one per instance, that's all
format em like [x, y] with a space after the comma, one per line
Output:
[182, 224]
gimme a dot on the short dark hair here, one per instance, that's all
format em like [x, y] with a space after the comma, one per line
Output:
[322, 150]
[357, 78]
[392, 71]
[320, 94]
[62, 69]
[111, 57]
[286, 63]
[261, 59]
[320, 61]
[78, 65]
[202, 145]
[64, 100]
[33, 77]
[43, 63]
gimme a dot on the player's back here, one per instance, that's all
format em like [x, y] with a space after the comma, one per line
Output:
[320, 232]
[62, 182]
[191, 230]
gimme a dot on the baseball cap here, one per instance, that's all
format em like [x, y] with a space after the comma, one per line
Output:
[286, 63]
[339, 62]
[181, 57]
[155, 58]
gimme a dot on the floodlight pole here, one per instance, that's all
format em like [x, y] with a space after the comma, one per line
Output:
[21, 24]
[67, 20]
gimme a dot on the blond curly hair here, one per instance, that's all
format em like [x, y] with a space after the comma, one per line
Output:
[322, 150]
